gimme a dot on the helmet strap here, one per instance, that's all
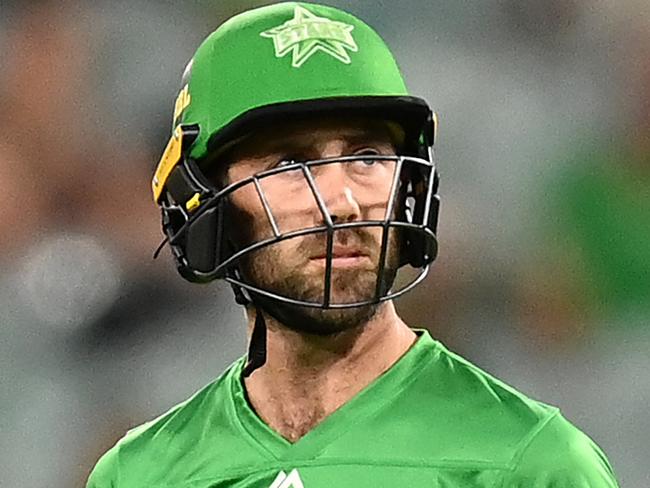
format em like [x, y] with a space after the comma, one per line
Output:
[257, 345]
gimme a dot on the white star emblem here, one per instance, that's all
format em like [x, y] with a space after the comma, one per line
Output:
[307, 33]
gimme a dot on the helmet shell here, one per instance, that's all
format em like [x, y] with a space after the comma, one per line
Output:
[281, 57]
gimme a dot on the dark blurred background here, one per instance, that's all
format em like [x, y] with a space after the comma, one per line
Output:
[544, 273]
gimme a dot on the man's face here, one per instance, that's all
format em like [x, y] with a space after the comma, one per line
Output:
[351, 191]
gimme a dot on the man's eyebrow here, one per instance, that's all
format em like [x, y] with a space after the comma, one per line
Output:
[370, 136]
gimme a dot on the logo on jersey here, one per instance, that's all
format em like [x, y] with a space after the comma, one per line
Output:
[307, 33]
[292, 480]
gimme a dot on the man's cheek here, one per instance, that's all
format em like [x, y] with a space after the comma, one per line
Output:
[288, 202]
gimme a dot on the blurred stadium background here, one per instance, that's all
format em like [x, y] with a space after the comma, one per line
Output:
[544, 272]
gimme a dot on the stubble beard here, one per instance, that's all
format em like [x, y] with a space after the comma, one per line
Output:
[283, 270]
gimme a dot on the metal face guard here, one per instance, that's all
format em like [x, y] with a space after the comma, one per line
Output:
[411, 208]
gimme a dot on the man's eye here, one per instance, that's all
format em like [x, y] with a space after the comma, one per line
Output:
[367, 152]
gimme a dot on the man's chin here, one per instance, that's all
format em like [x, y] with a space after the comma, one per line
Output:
[321, 322]
[348, 286]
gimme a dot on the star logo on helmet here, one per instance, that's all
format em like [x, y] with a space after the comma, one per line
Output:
[307, 33]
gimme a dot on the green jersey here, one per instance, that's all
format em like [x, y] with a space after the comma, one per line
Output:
[432, 420]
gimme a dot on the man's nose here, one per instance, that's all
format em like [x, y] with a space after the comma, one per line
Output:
[335, 188]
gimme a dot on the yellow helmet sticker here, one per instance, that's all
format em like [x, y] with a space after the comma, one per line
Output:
[168, 161]
[182, 102]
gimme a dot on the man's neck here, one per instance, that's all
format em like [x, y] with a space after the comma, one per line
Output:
[307, 377]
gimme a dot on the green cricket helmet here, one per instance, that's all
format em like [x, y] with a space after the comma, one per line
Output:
[266, 65]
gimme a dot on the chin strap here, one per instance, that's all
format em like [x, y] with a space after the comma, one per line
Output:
[257, 345]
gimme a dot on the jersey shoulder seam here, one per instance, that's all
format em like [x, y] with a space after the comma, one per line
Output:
[530, 437]
[525, 444]
[489, 376]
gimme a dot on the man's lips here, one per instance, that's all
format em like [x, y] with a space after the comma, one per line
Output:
[342, 258]
[341, 252]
